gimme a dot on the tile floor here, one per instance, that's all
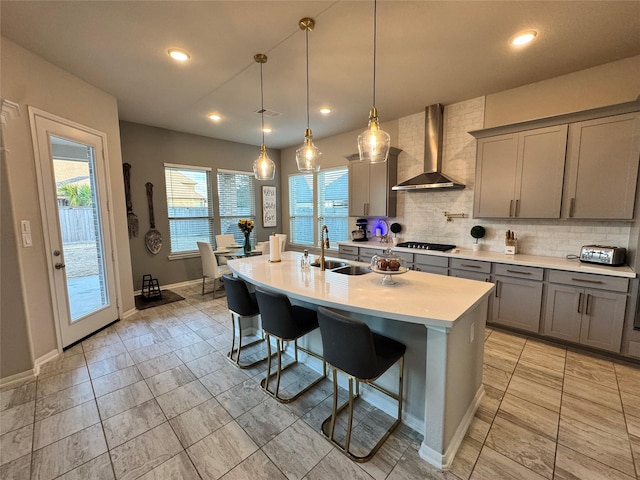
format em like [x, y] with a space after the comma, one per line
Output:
[153, 397]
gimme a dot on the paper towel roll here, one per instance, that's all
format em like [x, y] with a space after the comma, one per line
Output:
[274, 248]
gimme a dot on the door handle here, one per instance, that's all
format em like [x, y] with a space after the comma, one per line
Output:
[587, 310]
[59, 266]
[511, 208]
[580, 303]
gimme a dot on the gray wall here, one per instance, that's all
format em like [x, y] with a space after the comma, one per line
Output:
[147, 149]
[29, 80]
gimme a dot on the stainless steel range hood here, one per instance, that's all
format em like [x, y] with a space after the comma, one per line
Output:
[432, 178]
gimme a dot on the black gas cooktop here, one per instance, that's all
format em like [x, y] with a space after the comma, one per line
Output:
[440, 247]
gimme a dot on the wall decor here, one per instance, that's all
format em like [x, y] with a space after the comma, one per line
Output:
[269, 206]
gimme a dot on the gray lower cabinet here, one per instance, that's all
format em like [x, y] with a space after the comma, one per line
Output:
[430, 264]
[585, 315]
[348, 252]
[517, 298]
[471, 269]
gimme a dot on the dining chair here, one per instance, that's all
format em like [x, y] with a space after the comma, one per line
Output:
[224, 241]
[210, 266]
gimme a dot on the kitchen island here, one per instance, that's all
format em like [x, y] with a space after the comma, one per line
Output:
[440, 319]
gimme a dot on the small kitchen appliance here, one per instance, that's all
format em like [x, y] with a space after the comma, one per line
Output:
[603, 255]
[360, 233]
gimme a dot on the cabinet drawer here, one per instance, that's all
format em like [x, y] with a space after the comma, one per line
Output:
[366, 253]
[470, 265]
[407, 257]
[347, 249]
[530, 273]
[346, 256]
[430, 260]
[586, 280]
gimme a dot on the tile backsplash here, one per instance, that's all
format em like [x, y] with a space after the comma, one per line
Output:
[421, 213]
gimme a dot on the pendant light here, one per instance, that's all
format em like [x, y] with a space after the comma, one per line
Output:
[308, 156]
[263, 167]
[374, 143]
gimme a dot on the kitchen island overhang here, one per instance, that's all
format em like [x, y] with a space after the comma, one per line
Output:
[440, 319]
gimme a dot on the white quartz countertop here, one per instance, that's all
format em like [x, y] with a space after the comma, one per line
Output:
[556, 263]
[422, 298]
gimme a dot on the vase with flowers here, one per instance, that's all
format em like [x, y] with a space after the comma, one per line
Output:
[246, 227]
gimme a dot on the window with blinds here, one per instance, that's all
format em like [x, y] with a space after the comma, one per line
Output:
[236, 201]
[189, 205]
[301, 208]
[331, 207]
[333, 203]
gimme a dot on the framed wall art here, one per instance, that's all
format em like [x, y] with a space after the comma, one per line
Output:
[269, 206]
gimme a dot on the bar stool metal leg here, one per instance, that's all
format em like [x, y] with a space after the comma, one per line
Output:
[230, 354]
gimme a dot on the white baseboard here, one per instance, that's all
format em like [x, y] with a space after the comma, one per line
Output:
[128, 313]
[444, 461]
[175, 285]
[34, 372]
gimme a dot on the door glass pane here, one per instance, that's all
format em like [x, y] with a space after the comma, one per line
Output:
[79, 216]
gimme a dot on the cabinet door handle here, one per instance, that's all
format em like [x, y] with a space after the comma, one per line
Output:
[511, 208]
[572, 206]
[516, 211]
[588, 309]
[518, 272]
[584, 280]
[580, 303]
[497, 286]
[469, 266]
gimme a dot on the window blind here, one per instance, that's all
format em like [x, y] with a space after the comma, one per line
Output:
[189, 206]
[333, 203]
[301, 208]
[236, 201]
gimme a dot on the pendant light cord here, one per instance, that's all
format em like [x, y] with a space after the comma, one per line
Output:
[375, 16]
[261, 104]
[306, 34]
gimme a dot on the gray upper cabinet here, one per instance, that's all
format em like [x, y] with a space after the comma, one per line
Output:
[370, 193]
[602, 168]
[520, 175]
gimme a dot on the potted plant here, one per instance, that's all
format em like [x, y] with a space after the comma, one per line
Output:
[395, 228]
[477, 232]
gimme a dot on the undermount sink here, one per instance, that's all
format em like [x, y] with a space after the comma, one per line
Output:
[352, 270]
[330, 264]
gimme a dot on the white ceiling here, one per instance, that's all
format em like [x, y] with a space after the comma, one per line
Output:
[428, 52]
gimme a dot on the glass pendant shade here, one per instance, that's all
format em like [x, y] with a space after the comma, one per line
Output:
[263, 167]
[374, 143]
[308, 156]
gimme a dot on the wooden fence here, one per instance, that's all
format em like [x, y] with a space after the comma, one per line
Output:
[77, 224]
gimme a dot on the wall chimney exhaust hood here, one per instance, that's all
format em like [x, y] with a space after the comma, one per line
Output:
[432, 178]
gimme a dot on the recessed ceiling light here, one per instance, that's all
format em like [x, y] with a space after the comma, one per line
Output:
[179, 54]
[266, 130]
[523, 38]
[214, 116]
[325, 111]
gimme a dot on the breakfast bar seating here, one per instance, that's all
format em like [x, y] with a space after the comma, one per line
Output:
[352, 348]
[285, 322]
[242, 304]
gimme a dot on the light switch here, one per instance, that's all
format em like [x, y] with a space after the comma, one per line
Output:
[25, 226]
[26, 240]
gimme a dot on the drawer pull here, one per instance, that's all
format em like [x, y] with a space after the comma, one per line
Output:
[469, 266]
[597, 282]
[518, 272]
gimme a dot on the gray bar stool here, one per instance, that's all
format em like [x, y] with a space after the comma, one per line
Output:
[351, 347]
[285, 322]
[241, 304]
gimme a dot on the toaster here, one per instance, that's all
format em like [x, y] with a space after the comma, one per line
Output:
[603, 255]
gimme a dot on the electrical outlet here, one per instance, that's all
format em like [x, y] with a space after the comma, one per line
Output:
[472, 333]
[26, 240]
